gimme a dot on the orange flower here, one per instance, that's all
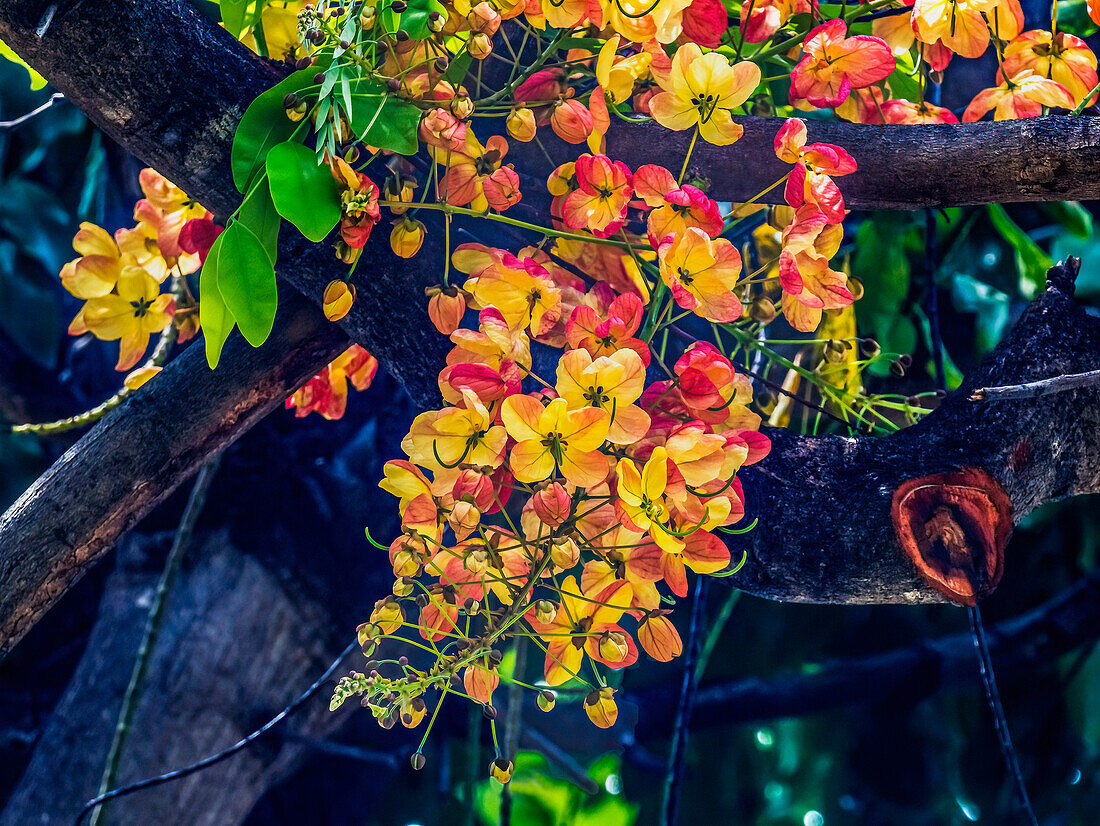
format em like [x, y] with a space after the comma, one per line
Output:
[701, 273]
[1022, 96]
[604, 188]
[760, 19]
[674, 208]
[957, 24]
[810, 182]
[809, 285]
[469, 170]
[585, 623]
[327, 392]
[612, 383]
[834, 65]
[1060, 57]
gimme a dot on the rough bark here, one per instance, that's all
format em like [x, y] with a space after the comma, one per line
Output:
[117, 472]
[826, 533]
[189, 707]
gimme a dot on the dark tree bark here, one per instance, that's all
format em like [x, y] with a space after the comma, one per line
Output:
[114, 475]
[228, 612]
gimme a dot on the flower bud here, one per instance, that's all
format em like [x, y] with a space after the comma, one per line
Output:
[546, 700]
[417, 761]
[348, 255]
[545, 611]
[521, 124]
[337, 300]
[464, 519]
[290, 101]
[407, 237]
[298, 112]
[387, 615]
[501, 770]
[552, 505]
[351, 154]
[401, 36]
[367, 17]
[480, 46]
[855, 287]
[484, 18]
[601, 708]
[446, 311]
[412, 712]
[564, 553]
[762, 310]
[571, 121]
[869, 347]
[393, 85]
[436, 23]
[462, 107]
[835, 351]
[489, 711]
[613, 647]
[403, 587]
[441, 63]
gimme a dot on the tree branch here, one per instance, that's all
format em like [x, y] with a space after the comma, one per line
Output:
[133, 459]
[827, 532]
[904, 675]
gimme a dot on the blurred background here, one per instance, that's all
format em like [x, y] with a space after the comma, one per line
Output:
[806, 715]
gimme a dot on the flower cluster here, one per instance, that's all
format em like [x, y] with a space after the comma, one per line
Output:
[120, 277]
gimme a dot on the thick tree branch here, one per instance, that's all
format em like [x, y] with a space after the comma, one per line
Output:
[826, 531]
[117, 472]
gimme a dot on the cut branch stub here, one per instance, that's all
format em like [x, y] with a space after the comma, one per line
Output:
[954, 527]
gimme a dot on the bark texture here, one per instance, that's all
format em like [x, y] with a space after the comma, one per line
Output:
[190, 707]
[826, 533]
[117, 472]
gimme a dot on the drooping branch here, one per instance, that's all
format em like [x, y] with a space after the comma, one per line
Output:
[117, 472]
[904, 675]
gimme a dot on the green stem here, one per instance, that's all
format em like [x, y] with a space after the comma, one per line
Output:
[152, 629]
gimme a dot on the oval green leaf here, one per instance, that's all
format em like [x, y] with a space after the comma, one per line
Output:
[264, 125]
[246, 280]
[217, 321]
[304, 192]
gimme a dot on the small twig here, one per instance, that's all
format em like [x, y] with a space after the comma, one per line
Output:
[1000, 722]
[221, 755]
[152, 629]
[1034, 389]
[677, 754]
[11, 124]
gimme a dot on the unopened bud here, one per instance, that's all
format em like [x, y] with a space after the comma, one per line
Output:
[613, 647]
[501, 770]
[401, 36]
[351, 154]
[462, 107]
[446, 308]
[762, 310]
[521, 124]
[546, 700]
[489, 711]
[347, 254]
[480, 46]
[319, 78]
[337, 300]
[367, 17]
[298, 112]
[402, 587]
[436, 23]
[545, 611]
[870, 347]
[393, 85]
[835, 352]
[417, 761]
[552, 505]
[496, 657]
[290, 101]
[855, 287]
[303, 63]
[564, 553]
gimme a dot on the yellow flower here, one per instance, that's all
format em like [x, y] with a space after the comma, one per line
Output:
[612, 383]
[555, 437]
[618, 75]
[136, 312]
[701, 89]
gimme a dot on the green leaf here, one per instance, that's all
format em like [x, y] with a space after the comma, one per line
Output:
[246, 280]
[1031, 262]
[1071, 215]
[456, 72]
[303, 192]
[384, 121]
[37, 81]
[258, 213]
[264, 125]
[217, 321]
[235, 15]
